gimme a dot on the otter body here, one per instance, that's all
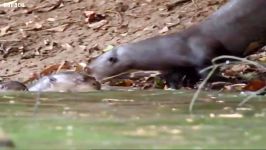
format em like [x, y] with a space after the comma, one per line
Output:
[237, 27]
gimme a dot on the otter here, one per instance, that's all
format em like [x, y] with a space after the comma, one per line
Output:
[236, 28]
[68, 81]
[12, 86]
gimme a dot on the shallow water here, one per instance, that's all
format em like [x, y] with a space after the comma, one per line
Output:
[135, 119]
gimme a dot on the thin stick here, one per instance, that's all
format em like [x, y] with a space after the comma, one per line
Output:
[196, 95]
[251, 96]
[214, 67]
[240, 59]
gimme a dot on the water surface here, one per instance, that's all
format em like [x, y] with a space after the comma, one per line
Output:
[132, 119]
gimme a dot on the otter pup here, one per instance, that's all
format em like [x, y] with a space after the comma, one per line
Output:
[68, 81]
[12, 86]
[236, 28]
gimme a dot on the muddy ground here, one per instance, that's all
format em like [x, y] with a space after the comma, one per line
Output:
[45, 32]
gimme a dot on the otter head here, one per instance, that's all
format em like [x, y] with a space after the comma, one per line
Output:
[110, 63]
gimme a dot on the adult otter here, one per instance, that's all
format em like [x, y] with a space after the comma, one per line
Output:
[237, 27]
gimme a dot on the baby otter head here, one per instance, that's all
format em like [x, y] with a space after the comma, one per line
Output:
[12, 86]
[110, 63]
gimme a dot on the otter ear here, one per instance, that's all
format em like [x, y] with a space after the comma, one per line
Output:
[112, 60]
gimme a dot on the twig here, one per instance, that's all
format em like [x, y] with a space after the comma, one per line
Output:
[196, 95]
[114, 76]
[240, 59]
[251, 96]
[214, 67]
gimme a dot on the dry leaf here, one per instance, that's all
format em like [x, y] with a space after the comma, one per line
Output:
[234, 87]
[51, 19]
[59, 28]
[164, 30]
[122, 82]
[255, 85]
[95, 54]
[23, 33]
[67, 46]
[92, 16]
[79, 67]
[76, 1]
[97, 25]
[38, 25]
[108, 48]
[4, 30]
[149, 28]
[34, 25]
[263, 59]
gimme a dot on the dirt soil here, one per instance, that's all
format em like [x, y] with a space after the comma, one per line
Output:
[45, 32]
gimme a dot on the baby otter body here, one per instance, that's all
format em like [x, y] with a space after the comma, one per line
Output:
[68, 81]
[12, 86]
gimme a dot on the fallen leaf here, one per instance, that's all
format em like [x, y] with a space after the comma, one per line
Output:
[95, 54]
[89, 13]
[108, 48]
[59, 28]
[76, 1]
[4, 30]
[51, 19]
[164, 30]
[92, 16]
[236, 70]
[97, 25]
[149, 28]
[67, 46]
[23, 33]
[255, 85]
[82, 47]
[263, 59]
[234, 87]
[38, 25]
[123, 82]
[79, 67]
[34, 25]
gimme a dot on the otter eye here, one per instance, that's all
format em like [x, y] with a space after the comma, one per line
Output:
[113, 59]
[52, 79]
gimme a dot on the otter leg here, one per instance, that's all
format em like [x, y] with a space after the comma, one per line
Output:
[181, 77]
